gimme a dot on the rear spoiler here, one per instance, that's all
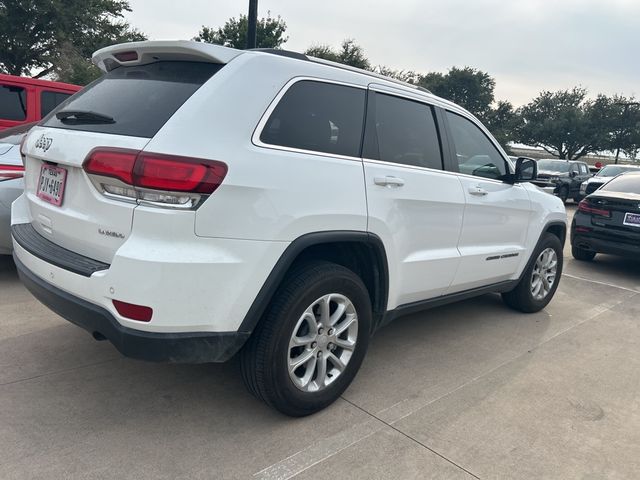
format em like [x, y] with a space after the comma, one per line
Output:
[141, 53]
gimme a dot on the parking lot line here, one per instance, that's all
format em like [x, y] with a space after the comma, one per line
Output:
[600, 283]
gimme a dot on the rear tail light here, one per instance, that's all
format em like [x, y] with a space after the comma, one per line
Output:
[586, 207]
[132, 311]
[9, 172]
[160, 179]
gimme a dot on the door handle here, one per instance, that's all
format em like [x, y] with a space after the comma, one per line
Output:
[478, 191]
[388, 181]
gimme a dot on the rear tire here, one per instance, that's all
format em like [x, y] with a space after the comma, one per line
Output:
[535, 289]
[298, 360]
[582, 254]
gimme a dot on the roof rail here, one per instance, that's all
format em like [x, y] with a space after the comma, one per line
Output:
[282, 53]
[302, 56]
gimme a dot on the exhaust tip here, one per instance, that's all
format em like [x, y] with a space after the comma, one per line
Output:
[98, 336]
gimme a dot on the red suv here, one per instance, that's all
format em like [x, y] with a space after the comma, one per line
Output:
[24, 100]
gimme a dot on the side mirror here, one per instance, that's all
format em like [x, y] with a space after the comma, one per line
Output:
[573, 174]
[526, 169]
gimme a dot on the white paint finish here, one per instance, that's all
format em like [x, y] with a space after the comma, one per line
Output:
[419, 224]
[495, 224]
[74, 225]
[192, 284]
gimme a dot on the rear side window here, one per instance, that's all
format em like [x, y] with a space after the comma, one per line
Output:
[318, 116]
[139, 99]
[50, 100]
[405, 133]
[13, 103]
[628, 183]
[584, 169]
[475, 153]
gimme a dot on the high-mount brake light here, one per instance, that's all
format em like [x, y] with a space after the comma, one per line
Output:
[586, 207]
[9, 172]
[159, 179]
[126, 56]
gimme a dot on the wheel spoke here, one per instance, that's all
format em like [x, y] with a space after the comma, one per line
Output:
[337, 362]
[303, 358]
[341, 327]
[325, 310]
[337, 315]
[321, 377]
[346, 344]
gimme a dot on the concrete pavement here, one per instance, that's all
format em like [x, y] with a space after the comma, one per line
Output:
[463, 391]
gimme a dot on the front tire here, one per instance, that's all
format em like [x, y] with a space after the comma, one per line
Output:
[563, 193]
[540, 280]
[311, 341]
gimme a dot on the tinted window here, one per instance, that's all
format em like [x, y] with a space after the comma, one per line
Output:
[560, 166]
[317, 116]
[406, 133]
[628, 183]
[613, 170]
[140, 99]
[13, 103]
[50, 100]
[475, 152]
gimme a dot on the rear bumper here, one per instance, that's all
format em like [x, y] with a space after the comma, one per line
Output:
[192, 347]
[9, 191]
[600, 245]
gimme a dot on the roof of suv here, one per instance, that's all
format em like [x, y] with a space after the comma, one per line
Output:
[152, 51]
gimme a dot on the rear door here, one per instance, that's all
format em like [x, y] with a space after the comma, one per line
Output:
[14, 103]
[133, 103]
[496, 217]
[414, 206]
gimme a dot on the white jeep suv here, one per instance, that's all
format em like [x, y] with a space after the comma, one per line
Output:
[199, 201]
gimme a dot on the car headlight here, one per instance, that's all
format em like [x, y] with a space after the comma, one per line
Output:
[554, 178]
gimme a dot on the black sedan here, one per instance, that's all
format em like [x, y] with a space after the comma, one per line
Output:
[608, 221]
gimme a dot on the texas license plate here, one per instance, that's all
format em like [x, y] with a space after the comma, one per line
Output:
[51, 184]
[632, 219]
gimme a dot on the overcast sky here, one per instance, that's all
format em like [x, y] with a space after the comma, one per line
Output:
[526, 45]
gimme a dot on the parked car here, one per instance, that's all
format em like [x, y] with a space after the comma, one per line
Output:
[563, 176]
[608, 220]
[25, 100]
[254, 210]
[11, 182]
[603, 176]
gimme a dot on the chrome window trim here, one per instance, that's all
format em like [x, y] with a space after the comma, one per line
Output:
[255, 138]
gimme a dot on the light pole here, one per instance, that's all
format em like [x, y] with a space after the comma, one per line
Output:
[252, 30]
[624, 115]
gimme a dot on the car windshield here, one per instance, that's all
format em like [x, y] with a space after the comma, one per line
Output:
[560, 166]
[614, 170]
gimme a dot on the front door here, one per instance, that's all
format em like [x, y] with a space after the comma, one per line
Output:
[496, 217]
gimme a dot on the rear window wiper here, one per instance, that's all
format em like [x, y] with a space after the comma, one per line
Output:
[83, 116]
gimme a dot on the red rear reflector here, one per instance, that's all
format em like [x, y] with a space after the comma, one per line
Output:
[111, 162]
[9, 172]
[178, 174]
[586, 207]
[127, 56]
[134, 312]
[583, 229]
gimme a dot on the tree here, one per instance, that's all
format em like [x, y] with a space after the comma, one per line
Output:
[564, 124]
[270, 33]
[40, 34]
[350, 53]
[407, 76]
[502, 121]
[622, 123]
[468, 87]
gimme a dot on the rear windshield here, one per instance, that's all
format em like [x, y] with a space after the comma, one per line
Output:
[13, 103]
[628, 183]
[613, 170]
[139, 99]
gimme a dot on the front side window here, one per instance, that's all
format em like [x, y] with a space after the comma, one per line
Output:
[406, 133]
[50, 100]
[475, 153]
[13, 103]
[318, 116]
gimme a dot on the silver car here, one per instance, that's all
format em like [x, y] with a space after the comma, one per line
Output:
[605, 174]
[11, 181]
